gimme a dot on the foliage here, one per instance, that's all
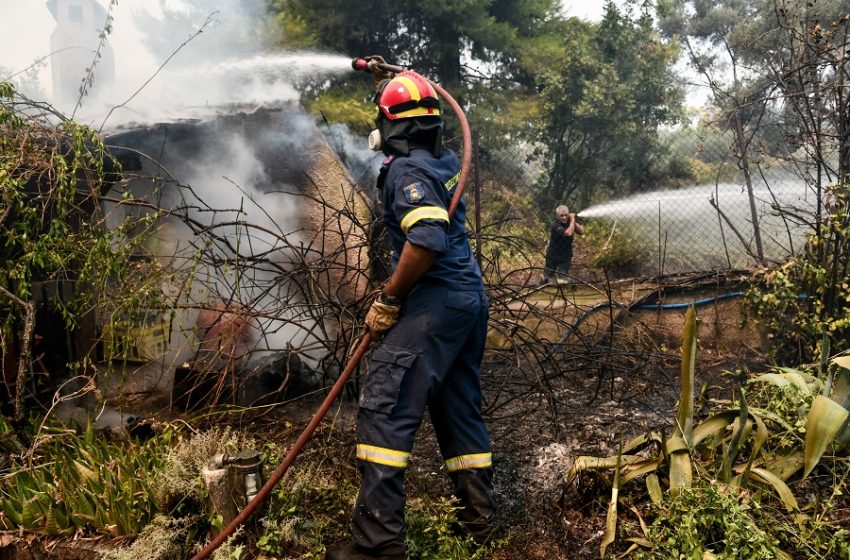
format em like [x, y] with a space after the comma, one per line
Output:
[586, 98]
[508, 223]
[430, 38]
[164, 538]
[807, 298]
[81, 481]
[696, 155]
[296, 32]
[179, 487]
[340, 106]
[52, 226]
[605, 92]
[777, 73]
[431, 533]
[614, 248]
[783, 397]
[716, 521]
[717, 470]
[708, 519]
[311, 506]
[308, 508]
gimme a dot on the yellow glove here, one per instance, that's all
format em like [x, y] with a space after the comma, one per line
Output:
[383, 314]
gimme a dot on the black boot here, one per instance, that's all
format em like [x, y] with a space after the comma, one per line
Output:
[351, 551]
[477, 516]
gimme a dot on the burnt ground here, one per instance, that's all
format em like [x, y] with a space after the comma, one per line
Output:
[586, 400]
[581, 395]
[535, 442]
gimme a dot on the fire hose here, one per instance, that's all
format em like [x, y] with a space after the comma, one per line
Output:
[380, 69]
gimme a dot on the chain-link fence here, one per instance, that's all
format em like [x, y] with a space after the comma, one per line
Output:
[708, 208]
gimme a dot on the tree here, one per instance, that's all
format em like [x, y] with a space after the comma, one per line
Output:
[786, 63]
[605, 93]
[589, 98]
[448, 41]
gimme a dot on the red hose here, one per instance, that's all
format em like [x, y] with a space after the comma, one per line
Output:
[320, 413]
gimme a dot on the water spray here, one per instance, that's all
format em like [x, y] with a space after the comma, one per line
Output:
[381, 70]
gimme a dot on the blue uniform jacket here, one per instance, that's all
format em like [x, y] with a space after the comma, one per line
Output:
[416, 192]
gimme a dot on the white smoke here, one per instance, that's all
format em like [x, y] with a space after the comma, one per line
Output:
[198, 61]
[172, 58]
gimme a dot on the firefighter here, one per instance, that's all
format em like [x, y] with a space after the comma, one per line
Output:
[431, 318]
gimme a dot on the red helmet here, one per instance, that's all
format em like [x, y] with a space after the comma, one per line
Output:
[408, 95]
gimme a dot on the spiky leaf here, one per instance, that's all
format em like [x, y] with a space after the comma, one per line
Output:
[826, 418]
[611, 517]
[685, 411]
[777, 484]
[654, 489]
[681, 470]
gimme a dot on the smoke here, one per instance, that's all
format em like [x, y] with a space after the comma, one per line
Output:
[170, 58]
[203, 87]
[228, 59]
[255, 218]
[363, 164]
[242, 173]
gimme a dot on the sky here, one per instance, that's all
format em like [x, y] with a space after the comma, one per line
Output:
[585, 9]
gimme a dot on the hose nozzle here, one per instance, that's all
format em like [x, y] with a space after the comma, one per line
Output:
[377, 66]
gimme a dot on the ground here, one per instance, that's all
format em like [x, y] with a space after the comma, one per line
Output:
[583, 405]
[547, 404]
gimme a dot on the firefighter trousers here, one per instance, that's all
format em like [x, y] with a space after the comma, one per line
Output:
[430, 359]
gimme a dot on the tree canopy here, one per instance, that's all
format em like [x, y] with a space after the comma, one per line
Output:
[585, 99]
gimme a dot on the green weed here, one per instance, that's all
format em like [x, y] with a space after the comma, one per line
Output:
[708, 519]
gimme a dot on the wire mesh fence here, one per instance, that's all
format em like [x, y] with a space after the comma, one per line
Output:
[708, 208]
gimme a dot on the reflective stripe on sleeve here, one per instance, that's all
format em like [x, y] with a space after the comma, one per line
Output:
[382, 455]
[423, 213]
[474, 461]
[450, 184]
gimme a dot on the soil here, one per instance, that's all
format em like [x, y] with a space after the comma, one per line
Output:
[589, 396]
[584, 405]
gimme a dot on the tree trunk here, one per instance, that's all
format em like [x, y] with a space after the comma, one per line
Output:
[745, 167]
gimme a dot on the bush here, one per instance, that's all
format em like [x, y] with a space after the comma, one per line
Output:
[615, 248]
[709, 520]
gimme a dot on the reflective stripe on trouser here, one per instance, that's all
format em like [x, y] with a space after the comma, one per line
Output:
[474, 461]
[430, 359]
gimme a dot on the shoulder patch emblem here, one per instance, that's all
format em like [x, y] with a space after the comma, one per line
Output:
[414, 192]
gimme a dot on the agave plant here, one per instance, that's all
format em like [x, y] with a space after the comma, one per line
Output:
[828, 417]
[729, 446]
[82, 481]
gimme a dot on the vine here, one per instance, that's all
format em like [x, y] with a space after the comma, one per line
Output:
[52, 228]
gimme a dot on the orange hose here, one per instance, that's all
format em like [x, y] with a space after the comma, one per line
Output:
[337, 387]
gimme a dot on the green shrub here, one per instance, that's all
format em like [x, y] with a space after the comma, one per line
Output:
[431, 534]
[808, 297]
[615, 247]
[83, 482]
[709, 519]
[308, 509]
